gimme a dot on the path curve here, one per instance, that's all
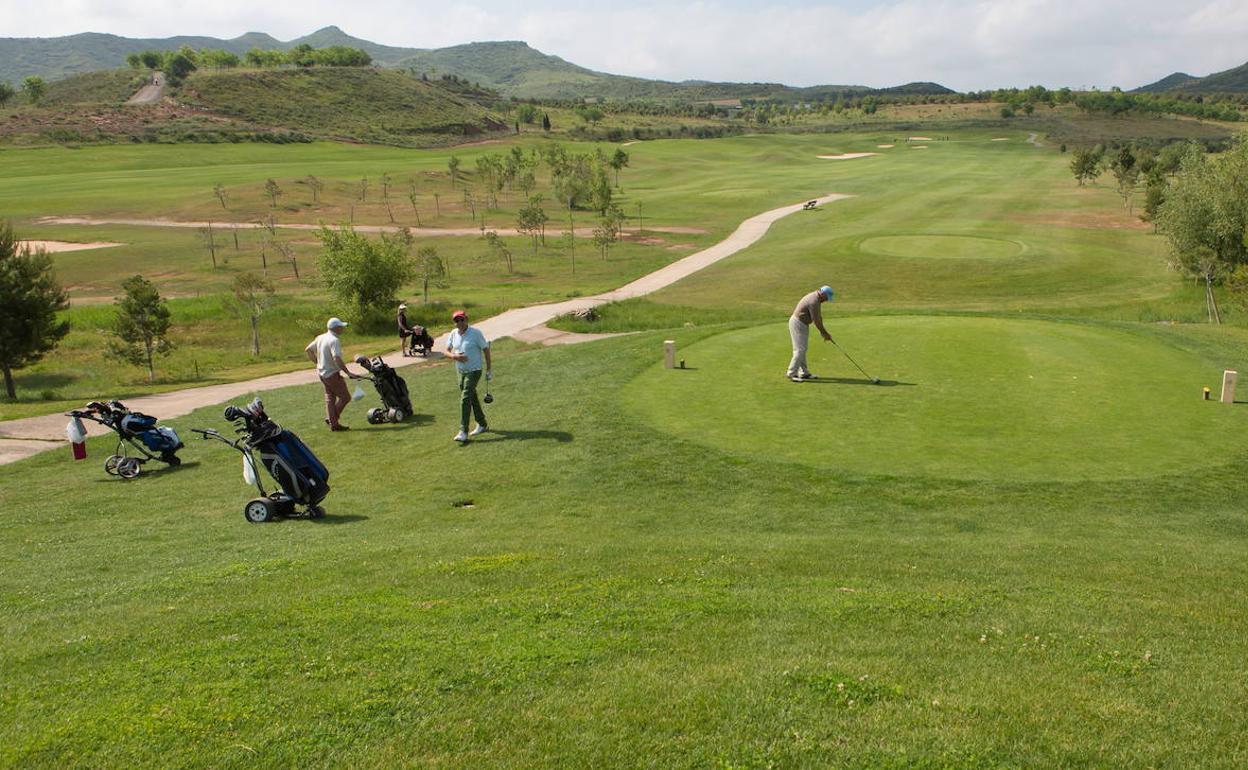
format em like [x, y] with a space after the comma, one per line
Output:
[420, 231]
[150, 92]
[31, 435]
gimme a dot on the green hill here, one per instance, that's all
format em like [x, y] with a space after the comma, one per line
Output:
[360, 104]
[511, 67]
[1232, 81]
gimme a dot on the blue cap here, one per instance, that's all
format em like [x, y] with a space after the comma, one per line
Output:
[826, 291]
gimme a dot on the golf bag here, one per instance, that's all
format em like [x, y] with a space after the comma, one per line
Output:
[136, 431]
[419, 342]
[303, 479]
[392, 389]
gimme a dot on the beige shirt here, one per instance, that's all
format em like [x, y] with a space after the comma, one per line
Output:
[807, 310]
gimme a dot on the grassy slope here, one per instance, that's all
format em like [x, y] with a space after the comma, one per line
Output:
[614, 597]
[377, 106]
[106, 87]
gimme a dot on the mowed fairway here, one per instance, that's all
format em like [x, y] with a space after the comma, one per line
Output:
[959, 397]
[1025, 549]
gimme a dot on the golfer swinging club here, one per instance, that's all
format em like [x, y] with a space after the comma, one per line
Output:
[806, 313]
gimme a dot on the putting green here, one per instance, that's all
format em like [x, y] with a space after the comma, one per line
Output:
[941, 247]
[962, 398]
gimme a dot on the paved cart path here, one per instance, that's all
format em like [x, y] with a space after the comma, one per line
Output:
[31, 435]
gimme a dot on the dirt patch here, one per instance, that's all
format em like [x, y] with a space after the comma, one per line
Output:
[848, 156]
[1083, 220]
[681, 246]
[1001, 139]
[919, 147]
[53, 247]
[886, 146]
[919, 139]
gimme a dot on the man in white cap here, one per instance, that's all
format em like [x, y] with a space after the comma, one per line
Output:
[806, 313]
[326, 352]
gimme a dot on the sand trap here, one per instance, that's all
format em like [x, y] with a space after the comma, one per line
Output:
[53, 247]
[886, 146]
[919, 139]
[848, 155]
[1001, 139]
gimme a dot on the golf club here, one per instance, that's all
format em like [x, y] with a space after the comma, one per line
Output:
[874, 380]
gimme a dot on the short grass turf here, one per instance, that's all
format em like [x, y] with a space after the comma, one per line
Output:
[615, 596]
[959, 397]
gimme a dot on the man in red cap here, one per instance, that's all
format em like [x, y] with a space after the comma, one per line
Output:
[468, 347]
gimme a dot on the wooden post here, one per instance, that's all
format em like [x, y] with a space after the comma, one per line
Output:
[669, 354]
[1228, 385]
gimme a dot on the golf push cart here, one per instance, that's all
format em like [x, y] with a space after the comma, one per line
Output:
[304, 481]
[397, 405]
[135, 431]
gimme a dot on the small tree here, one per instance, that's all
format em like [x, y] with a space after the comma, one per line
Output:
[1127, 173]
[430, 270]
[363, 190]
[252, 296]
[315, 186]
[220, 193]
[412, 197]
[618, 161]
[208, 238]
[6, 92]
[364, 272]
[545, 122]
[141, 326]
[1085, 164]
[452, 165]
[385, 194]
[34, 88]
[498, 250]
[30, 298]
[273, 191]
[531, 220]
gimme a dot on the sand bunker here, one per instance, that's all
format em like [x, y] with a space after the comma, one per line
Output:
[919, 139]
[1001, 139]
[53, 247]
[885, 146]
[848, 155]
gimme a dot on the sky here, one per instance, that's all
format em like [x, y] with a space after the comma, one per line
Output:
[962, 44]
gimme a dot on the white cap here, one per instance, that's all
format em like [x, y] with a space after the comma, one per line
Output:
[335, 323]
[402, 306]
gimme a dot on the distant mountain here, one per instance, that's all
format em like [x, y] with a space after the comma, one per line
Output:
[511, 67]
[1232, 81]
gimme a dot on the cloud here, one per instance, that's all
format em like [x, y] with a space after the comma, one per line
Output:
[965, 44]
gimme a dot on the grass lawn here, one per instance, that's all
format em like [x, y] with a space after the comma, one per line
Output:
[616, 595]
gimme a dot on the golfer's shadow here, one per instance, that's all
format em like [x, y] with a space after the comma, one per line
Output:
[560, 436]
[859, 381]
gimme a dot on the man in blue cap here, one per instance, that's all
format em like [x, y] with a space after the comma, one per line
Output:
[806, 313]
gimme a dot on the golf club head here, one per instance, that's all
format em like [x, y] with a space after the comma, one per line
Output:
[489, 398]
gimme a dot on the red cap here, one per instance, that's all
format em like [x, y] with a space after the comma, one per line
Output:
[458, 314]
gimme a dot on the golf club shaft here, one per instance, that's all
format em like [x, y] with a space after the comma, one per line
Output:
[852, 361]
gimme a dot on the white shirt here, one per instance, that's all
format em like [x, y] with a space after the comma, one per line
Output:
[328, 350]
[471, 343]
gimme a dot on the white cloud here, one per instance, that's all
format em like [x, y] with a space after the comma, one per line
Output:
[965, 44]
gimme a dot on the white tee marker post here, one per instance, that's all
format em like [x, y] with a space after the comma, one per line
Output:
[669, 354]
[1229, 377]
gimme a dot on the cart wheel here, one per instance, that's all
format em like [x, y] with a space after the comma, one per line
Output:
[316, 512]
[128, 467]
[376, 416]
[110, 465]
[258, 511]
[397, 415]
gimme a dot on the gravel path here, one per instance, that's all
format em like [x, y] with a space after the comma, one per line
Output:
[31, 435]
[150, 92]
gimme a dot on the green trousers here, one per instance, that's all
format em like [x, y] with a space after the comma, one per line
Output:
[469, 404]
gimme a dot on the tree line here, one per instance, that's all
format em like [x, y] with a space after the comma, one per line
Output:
[177, 64]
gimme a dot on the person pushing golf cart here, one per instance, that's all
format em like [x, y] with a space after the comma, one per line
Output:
[806, 313]
[326, 352]
[414, 339]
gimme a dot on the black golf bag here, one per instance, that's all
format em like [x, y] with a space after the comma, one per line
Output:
[392, 389]
[303, 479]
[419, 342]
[136, 431]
